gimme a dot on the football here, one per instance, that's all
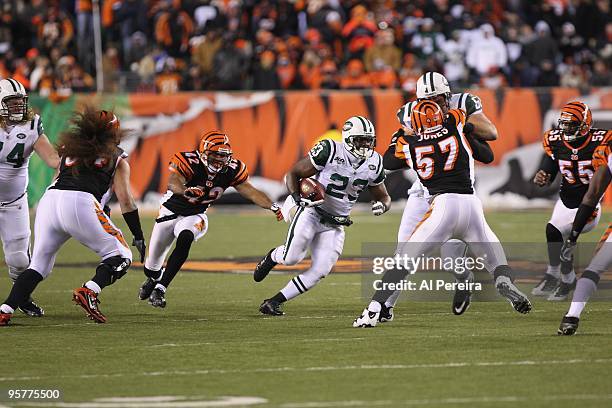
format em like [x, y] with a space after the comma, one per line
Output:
[311, 189]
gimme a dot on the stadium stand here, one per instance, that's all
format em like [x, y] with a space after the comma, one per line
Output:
[166, 46]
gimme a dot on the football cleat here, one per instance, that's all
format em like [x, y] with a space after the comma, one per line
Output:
[517, 299]
[462, 298]
[147, 287]
[264, 267]
[31, 308]
[562, 291]
[367, 319]
[546, 286]
[157, 298]
[386, 314]
[88, 300]
[5, 318]
[568, 326]
[271, 307]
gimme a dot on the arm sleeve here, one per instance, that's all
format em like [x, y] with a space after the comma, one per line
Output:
[379, 175]
[549, 165]
[241, 176]
[471, 105]
[321, 153]
[180, 165]
[481, 151]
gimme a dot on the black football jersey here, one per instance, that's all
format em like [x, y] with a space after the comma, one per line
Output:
[443, 160]
[574, 161]
[190, 166]
[97, 180]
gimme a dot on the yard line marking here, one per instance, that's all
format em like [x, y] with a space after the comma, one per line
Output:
[446, 401]
[214, 371]
[214, 343]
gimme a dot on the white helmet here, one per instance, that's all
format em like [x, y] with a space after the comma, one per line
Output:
[9, 89]
[359, 136]
[432, 84]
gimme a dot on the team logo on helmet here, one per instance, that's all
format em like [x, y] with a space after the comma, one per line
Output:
[426, 117]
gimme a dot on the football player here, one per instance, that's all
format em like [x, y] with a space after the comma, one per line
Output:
[569, 151]
[433, 86]
[587, 284]
[344, 169]
[197, 179]
[91, 164]
[443, 156]
[21, 134]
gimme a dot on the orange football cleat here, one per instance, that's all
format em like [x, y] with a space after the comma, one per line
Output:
[5, 318]
[88, 300]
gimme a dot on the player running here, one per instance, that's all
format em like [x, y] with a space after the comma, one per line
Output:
[197, 179]
[569, 150]
[443, 156]
[91, 164]
[587, 284]
[21, 134]
[344, 169]
[433, 86]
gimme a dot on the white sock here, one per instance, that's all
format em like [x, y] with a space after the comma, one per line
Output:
[554, 271]
[290, 290]
[575, 309]
[4, 308]
[374, 306]
[568, 277]
[93, 286]
[277, 254]
[160, 287]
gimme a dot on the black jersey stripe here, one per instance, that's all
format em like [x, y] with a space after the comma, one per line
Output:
[333, 154]
[461, 100]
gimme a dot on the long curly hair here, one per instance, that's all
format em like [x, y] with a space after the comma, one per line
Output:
[28, 117]
[94, 134]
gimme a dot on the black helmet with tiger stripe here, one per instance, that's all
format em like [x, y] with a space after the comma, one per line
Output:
[215, 151]
[426, 116]
[575, 121]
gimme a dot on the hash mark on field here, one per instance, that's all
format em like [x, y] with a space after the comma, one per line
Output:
[248, 342]
[214, 371]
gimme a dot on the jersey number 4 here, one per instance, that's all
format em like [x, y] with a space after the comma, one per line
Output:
[16, 155]
[425, 164]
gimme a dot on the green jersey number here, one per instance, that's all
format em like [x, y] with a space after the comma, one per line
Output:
[337, 190]
[16, 155]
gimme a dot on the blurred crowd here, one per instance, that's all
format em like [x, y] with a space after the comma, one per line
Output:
[169, 45]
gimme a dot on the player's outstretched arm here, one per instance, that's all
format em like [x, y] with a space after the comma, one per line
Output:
[129, 210]
[248, 191]
[45, 150]
[382, 199]
[547, 172]
[484, 129]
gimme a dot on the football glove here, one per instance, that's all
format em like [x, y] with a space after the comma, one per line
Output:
[276, 209]
[541, 178]
[304, 202]
[378, 208]
[567, 250]
[141, 247]
[398, 133]
[193, 194]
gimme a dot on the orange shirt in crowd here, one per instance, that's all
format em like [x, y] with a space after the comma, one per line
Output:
[168, 82]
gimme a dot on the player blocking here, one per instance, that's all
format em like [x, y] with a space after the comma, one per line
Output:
[443, 155]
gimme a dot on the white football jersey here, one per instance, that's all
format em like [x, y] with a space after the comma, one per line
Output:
[343, 175]
[16, 147]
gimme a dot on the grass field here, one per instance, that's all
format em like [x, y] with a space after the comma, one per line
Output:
[210, 347]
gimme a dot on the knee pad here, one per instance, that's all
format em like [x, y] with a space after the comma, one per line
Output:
[17, 262]
[553, 234]
[116, 266]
